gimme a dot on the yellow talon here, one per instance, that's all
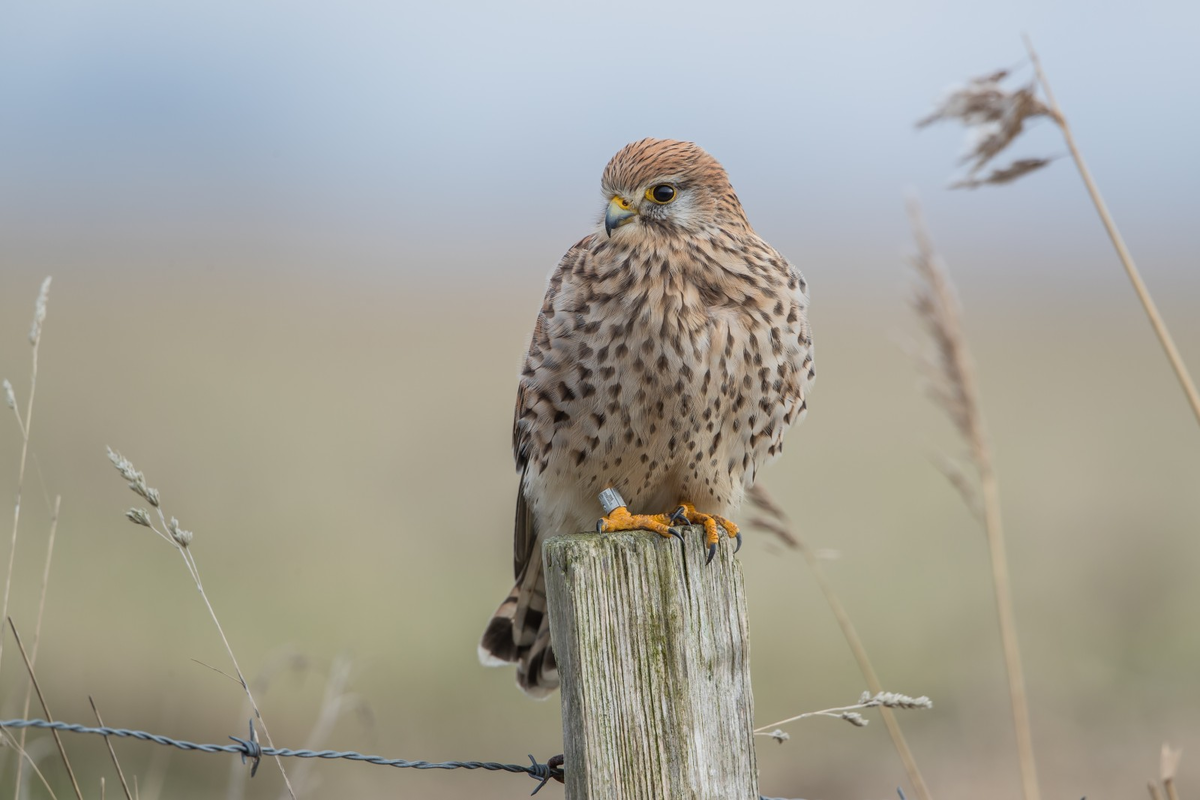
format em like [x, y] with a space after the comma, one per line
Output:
[619, 519]
[710, 522]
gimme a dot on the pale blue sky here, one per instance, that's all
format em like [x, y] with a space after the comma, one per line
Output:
[362, 135]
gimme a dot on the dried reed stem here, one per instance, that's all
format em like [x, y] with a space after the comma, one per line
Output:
[111, 752]
[1002, 585]
[42, 698]
[1135, 277]
[960, 397]
[37, 628]
[777, 523]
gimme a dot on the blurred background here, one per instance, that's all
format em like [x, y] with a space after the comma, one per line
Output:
[297, 251]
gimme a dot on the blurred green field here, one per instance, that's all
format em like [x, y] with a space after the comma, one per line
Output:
[340, 447]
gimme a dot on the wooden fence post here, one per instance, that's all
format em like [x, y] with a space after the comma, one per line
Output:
[653, 653]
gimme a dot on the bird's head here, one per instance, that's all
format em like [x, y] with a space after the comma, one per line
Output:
[660, 186]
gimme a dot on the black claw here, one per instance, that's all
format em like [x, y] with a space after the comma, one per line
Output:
[599, 526]
[679, 516]
[675, 532]
[712, 551]
[739, 543]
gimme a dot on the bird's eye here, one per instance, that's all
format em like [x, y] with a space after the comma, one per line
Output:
[661, 194]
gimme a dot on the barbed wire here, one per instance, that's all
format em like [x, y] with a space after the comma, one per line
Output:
[249, 748]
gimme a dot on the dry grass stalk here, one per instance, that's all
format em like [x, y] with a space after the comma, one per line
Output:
[850, 712]
[45, 708]
[24, 423]
[959, 396]
[37, 628]
[181, 540]
[1135, 277]
[775, 521]
[111, 752]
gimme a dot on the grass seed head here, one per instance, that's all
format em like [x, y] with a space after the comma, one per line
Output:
[39, 313]
[894, 700]
[182, 538]
[137, 481]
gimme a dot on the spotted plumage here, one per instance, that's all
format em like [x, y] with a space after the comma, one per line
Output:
[671, 354]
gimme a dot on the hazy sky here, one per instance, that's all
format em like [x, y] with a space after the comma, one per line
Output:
[405, 137]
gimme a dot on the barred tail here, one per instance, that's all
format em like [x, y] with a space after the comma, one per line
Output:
[519, 632]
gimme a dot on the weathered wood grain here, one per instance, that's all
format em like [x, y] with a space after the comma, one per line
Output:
[653, 653]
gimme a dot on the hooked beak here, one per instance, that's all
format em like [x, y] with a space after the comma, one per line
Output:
[619, 212]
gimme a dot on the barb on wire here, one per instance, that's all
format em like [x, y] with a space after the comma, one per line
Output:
[252, 750]
[249, 748]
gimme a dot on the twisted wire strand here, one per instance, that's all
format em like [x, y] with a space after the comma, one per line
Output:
[249, 748]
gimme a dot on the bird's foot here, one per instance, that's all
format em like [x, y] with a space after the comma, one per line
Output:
[619, 519]
[687, 514]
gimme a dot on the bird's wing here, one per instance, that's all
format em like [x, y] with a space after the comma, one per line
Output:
[524, 534]
[525, 416]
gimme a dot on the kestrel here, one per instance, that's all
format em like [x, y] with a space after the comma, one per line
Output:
[671, 354]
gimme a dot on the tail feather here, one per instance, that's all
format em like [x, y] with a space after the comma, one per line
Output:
[519, 632]
[537, 671]
[498, 647]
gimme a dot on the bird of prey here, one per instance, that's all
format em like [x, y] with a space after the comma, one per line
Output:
[671, 354]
